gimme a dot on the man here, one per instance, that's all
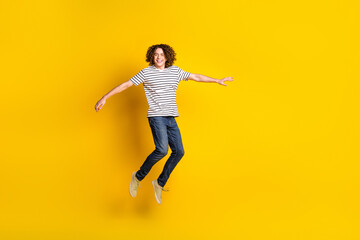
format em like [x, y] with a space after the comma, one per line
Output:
[160, 81]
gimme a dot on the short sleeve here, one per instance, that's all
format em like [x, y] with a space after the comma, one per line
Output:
[183, 75]
[138, 78]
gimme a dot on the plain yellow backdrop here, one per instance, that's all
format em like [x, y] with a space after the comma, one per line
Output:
[273, 155]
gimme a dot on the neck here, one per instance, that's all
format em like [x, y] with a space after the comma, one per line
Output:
[160, 68]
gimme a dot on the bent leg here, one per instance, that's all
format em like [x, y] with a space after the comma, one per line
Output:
[160, 136]
[177, 149]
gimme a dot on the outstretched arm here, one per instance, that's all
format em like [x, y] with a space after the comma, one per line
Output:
[203, 78]
[118, 89]
[114, 91]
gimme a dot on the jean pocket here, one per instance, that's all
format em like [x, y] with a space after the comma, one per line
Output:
[153, 120]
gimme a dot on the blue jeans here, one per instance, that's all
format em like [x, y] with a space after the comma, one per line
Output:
[165, 132]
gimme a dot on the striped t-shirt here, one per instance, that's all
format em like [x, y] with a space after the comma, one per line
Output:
[160, 88]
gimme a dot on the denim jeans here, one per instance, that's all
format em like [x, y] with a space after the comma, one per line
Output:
[165, 132]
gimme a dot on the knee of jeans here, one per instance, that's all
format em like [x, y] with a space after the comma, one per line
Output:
[181, 152]
[162, 151]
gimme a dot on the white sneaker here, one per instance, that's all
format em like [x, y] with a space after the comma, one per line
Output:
[158, 190]
[134, 184]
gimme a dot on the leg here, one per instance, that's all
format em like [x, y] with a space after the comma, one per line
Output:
[177, 149]
[160, 135]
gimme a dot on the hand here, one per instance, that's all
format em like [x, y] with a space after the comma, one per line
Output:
[221, 81]
[100, 104]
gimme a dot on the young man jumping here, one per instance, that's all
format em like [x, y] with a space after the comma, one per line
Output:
[160, 80]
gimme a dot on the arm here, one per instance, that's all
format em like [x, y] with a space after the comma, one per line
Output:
[203, 78]
[118, 89]
[114, 91]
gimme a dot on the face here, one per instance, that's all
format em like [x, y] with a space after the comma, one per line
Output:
[159, 58]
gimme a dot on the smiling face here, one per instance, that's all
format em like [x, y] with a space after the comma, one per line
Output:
[159, 58]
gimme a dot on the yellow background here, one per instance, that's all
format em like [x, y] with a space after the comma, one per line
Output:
[273, 155]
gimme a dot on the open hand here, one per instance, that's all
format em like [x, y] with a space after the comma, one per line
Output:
[221, 81]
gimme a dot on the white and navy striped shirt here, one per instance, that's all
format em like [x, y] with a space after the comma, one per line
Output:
[160, 88]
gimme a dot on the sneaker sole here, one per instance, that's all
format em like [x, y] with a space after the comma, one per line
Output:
[130, 192]
[130, 188]
[153, 183]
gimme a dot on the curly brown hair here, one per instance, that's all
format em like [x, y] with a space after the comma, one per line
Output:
[168, 51]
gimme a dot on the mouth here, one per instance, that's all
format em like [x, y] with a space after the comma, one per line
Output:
[158, 61]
